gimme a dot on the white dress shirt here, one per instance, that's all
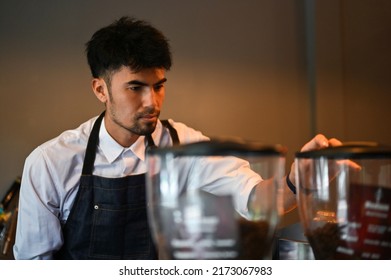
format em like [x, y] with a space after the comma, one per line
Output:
[51, 178]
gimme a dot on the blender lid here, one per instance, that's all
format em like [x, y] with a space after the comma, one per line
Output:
[359, 149]
[218, 147]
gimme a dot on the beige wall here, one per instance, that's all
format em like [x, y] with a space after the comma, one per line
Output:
[239, 69]
[353, 69]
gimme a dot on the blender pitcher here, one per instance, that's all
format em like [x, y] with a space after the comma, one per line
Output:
[202, 203]
[344, 199]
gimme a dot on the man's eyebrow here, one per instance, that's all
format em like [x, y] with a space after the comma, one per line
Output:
[161, 81]
[139, 83]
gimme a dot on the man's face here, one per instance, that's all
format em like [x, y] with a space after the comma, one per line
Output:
[133, 103]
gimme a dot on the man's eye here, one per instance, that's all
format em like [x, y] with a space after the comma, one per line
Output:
[135, 88]
[158, 87]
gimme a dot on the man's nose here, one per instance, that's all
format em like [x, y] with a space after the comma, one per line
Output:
[149, 97]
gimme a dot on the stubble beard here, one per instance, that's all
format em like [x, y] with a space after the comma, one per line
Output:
[142, 128]
[137, 127]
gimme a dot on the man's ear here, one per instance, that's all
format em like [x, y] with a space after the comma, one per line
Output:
[100, 89]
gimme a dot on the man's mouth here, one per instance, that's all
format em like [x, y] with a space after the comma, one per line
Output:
[148, 117]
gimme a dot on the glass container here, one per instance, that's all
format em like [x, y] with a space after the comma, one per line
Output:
[202, 202]
[344, 200]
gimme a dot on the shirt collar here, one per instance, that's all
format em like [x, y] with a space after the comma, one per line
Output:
[112, 150]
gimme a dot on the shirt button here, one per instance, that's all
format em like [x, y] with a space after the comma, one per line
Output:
[96, 207]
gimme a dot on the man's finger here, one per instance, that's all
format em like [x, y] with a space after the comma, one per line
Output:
[318, 142]
[334, 142]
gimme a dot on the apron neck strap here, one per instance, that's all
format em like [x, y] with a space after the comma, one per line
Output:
[93, 140]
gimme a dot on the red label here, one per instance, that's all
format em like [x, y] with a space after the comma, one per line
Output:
[367, 234]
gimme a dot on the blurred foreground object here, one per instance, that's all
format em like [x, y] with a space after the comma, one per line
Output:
[196, 196]
[344, 200]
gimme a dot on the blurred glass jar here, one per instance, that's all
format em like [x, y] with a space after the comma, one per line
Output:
[193, 194]
[344, 200]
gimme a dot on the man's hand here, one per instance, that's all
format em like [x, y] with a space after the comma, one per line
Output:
[318, 142]
[321, 142]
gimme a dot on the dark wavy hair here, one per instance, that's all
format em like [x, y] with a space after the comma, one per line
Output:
[127, 42]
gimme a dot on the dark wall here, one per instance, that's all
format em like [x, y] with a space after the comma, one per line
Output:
[240, 69]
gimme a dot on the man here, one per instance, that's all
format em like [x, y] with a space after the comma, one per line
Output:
[73, 184]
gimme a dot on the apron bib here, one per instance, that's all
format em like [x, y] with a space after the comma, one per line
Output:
[109, 217]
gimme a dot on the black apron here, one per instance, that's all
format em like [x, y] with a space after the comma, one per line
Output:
[108, 219]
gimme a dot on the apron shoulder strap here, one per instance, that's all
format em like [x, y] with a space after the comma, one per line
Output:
[93, 140]
[172, 130]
